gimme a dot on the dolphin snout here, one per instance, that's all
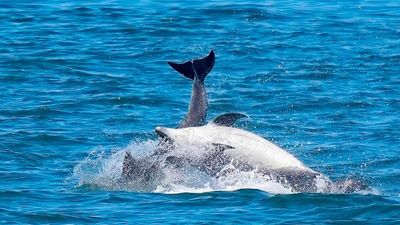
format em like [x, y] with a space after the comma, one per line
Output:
[161, 131]
[164, 134]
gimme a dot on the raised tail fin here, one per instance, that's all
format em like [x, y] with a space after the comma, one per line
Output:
[197, 67]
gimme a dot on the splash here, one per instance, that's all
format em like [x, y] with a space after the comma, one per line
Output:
[103, 171]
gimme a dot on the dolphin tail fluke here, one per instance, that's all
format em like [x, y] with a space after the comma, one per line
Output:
[197, 67]
[204, 66]
[185, 68]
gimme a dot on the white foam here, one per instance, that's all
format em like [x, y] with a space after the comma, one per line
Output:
[103, 171]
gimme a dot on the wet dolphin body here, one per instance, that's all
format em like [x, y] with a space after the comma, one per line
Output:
[195, 70]
[222, 145]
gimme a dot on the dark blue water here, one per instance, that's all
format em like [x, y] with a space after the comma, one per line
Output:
[82, 82]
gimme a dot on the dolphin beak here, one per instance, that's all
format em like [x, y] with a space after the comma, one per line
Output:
[161, 132]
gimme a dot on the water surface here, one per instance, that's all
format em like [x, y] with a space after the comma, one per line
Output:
[82, 82]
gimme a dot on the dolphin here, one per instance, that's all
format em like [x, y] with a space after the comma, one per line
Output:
[195, 70]
[248, 151]
[238, 143]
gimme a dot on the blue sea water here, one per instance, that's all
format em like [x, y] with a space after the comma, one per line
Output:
[82, 82]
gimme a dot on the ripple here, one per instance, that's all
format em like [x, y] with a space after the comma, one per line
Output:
[318, 78]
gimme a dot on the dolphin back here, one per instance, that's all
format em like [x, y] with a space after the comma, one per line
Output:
[197, 68]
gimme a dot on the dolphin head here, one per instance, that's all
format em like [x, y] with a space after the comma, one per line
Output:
[163, 133]
[180, 136]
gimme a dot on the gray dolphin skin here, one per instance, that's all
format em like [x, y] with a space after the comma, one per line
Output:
[196, 70]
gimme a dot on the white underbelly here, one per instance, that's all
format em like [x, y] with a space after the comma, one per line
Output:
[253, 149]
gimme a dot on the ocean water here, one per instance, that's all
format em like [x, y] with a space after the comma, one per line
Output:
[82, 82]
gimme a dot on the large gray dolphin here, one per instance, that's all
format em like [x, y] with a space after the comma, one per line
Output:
[220, 146]
[195, 70]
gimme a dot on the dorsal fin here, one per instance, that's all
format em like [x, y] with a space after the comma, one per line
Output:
[228, 119]
[197, 67]
[128, 165]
